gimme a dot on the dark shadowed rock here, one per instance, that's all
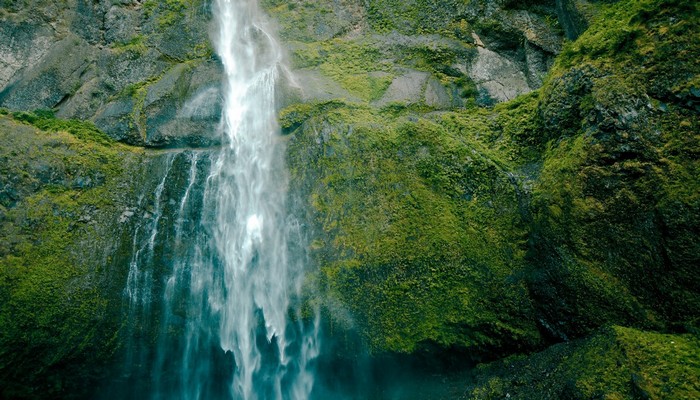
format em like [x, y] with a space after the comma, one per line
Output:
[571, 18]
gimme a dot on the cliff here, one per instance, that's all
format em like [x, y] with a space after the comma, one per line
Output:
[143, 72]
[479, 180]
[449, 228]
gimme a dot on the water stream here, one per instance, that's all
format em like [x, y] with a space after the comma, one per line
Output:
[227, 321]
[250, 181]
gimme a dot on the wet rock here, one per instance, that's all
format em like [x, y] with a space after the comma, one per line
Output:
[126, 215]
[497, 78]
[122, 68]
[437, 96]
[538, 64]
[407, 88]
[115, 118]
[121, 24]
[315, 86]
[184, 107]
[88, 20]
[52, 79]
[30, 41]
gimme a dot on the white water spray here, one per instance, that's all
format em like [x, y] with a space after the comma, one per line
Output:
[251, 230]
[229, 325]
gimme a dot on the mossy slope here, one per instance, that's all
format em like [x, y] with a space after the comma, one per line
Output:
[614, 363]
[538, 220]
[63, 249]
[420, 234]
[613, 233]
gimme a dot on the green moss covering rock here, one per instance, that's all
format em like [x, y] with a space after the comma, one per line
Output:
[535, 221]
[614, 363]
[419, 232]
[66, 203]
[612, 241]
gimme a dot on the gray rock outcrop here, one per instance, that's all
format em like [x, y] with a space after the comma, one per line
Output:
[140, 70]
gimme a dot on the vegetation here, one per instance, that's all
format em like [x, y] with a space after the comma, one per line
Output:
[170, 12]
[410, 17]
[615, 363]
[61, 189]
[420, 217]
[136, 44]
[539, 220]
[611, 218]
[569, 214]
[354, 65]
[46, 120]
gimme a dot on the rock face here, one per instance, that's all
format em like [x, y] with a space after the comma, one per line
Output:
[496, 77]
[73, 204]
[436, 55]
[142, 71]
[456, 201]
[566, 201]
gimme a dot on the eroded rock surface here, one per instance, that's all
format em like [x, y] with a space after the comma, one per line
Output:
[134, 68]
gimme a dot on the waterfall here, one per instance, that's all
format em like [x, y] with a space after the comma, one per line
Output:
[229, 324]
[251, 230]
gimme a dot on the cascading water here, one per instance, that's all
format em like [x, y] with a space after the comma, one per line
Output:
[251, 229]
[230, 324]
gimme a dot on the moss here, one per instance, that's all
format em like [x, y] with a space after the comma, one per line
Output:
[45, 120]
[293, 116]
[308, 20]
[201, 51]
[441, 60]
[55, 311]
[168, 12]
[520, 127]
[411, 214]
[603, 223]
[643, 39]
[149, 7]
[138, 116]
[596, 214]
[437, 57]
[353, 64]
[365, 67]
[615, 363]
[137, 44]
